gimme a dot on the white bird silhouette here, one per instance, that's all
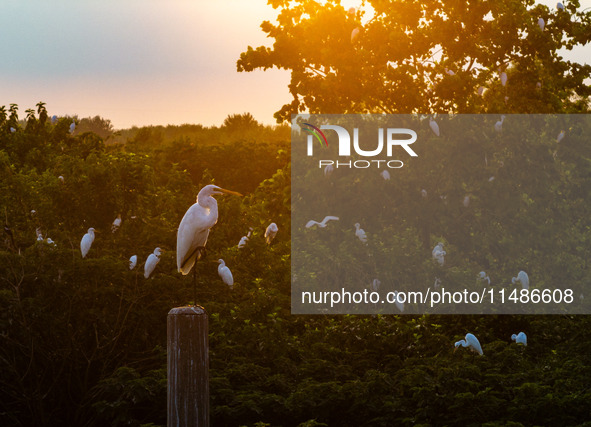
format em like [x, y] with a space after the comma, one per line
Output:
[322, 224]
[471, 342]
[49, 241]
[466, 201]
[86, 241]
[438, 253]
[328, 170]
[72, 126]
[503, 78]
[484, 277]
[559, 6]
[195, 225]
[523, 278]
[386, 175]
[132, 262]
[424, 193]
[434, 126]
[450, 72]
[271, 232]
[13, 130]
[355, 34]
[499, 124]
[244, 239]
[541, 23]
[53, 119]
[560, 136]
[116, 223]
[360, 233]
[539, 85]
[225, 273]
[151, 262]
[39, 235]
[520, 338]
[61, 178]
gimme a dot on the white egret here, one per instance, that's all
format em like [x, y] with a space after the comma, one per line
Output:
[560, 136]
[49, 241]
[116, 223]
[351, 11]
[539, 85]
[484, 277]
[424, 193]
[39, 235]
[360, 233]
[322, 224]
[72, 126]
[559, 6]
[399, 304]
[61, 178]
[13, 130]
[471, 342]
[520, 338]
[53, 119]
[195, 225]
[466, 201]
[225, 273]
[491, 179]
[541, 23]
[503, 78]
[328, 170]
[271, 232]
[439, 254]
[375, 285]
[434, 126]
[523, 278]
[355, 34]
[86, 241]
[386, 175]
[244, 239]
[151, 262]
[499, 124]
[132, 262]
[449, 72]
[481, 90]
[437, 283]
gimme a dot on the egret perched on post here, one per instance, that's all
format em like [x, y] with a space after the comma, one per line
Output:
[194, 230]
[386, 175]
[434, 126]
[523, 278]
[360, 233]
[541, 23]
[132, 262]
[116, 223]
[151, 262]
[520, 338]
[439, 254]
[86, 241]
[471, 342]
[499, 124]
[225, 273]
[271, 232]
[322, 224]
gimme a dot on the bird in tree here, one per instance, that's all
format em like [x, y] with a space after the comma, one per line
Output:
[522, 278]
[132, 262]
[360, 233]
[470, 342]
[439, 254]
[116, 223]
[225, 273]
[499, 124]
[244, 239]
[72, 126]
[434, 126]
[322, 224]
[152, 262]
[86, 242]
[271, 232]
[328, 170]
[520, 338]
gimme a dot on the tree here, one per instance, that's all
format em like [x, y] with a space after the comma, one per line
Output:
[416, 56]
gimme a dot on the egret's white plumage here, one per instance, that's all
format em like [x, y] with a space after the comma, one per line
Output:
[86, 242]
[328, 170]
[151, 262]
[466, 201]
[449, 72]
[13, 130]
[360, 233]
[72, 126]
[195, 225]
[244, 239]
[132, 262]
[560, 136]
[116, 224]
[523, 278]
[503, 78]
[271, 232]
[499, 124]
[484, 277]
[49, 241]
[541, 23]
[386, 175]
[520, 338]
[53, 119]
[322, 224]
[434, 126]
[375, 285]
[437, 283]
[39, 235]
[559, 6]
[439, 254]
[61, 178]
[424, 193]
[471, 342]
[355, 34]
[225, 273]
[481, 90]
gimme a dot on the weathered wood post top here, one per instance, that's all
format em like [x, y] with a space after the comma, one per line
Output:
[188, 367]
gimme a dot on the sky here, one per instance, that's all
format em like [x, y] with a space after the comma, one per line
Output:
[143, 62]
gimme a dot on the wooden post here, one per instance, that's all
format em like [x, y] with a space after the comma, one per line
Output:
[188, 367]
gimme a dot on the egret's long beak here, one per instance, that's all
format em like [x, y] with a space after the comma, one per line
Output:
[223, 190]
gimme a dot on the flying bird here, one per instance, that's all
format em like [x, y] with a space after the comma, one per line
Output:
[271, 232]
[471, 342]
[151, 262]
[132, 262]
[439, 254]
[322, 224]
[195, 225]
[360, 233]
[523, 278]
[86, 242]
[520, 338]
[434, 126]
[116, 223]
[225, 273]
